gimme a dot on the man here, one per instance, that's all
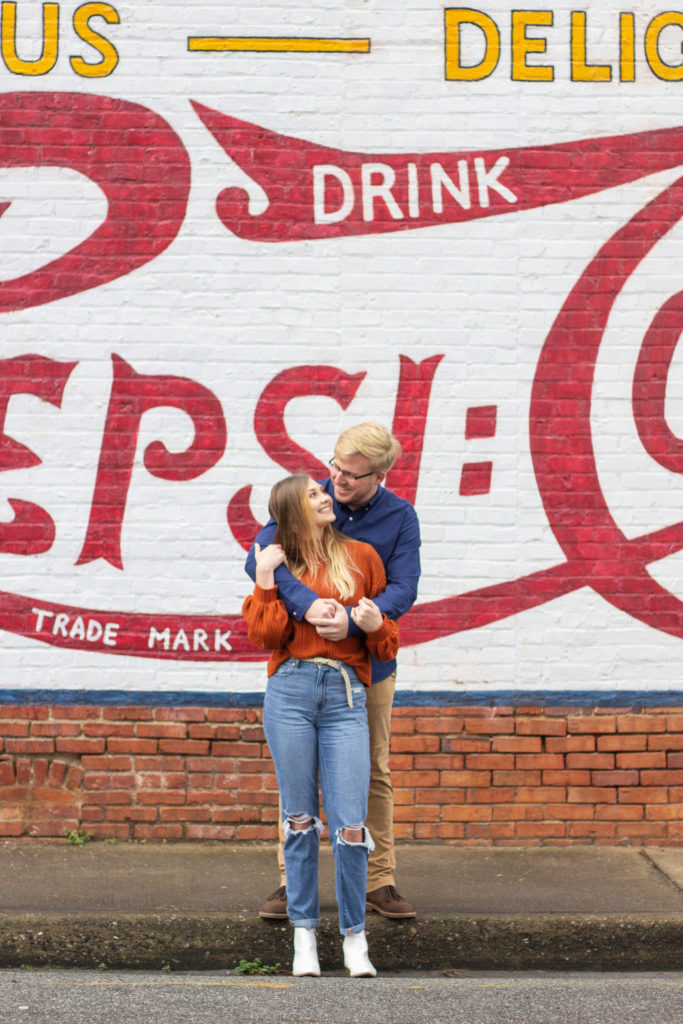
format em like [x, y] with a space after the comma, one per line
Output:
[366, 511]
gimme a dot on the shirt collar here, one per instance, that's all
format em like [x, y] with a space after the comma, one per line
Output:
[361, 508]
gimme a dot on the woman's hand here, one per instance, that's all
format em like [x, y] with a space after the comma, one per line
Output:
[267, 561]
[367, 615]
[330, 619]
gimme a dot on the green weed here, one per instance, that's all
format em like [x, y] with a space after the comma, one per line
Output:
[76, 837]
[255, 966]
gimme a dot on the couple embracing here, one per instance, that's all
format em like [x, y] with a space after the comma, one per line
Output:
[334, 569]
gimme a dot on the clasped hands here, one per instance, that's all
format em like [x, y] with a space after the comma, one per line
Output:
[327, 615]
[331, 620]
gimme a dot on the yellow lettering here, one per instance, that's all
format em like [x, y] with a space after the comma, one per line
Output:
[669, 72]
[457, 16]
[48, 57]
[627, 47]
[110, 57]
[522, 45]
[581, 70]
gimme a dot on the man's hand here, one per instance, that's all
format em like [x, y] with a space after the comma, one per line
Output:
[333, 624]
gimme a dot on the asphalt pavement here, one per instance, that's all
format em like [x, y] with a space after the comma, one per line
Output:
[191, 906]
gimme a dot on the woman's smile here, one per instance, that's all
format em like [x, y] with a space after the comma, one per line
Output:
[321, 504]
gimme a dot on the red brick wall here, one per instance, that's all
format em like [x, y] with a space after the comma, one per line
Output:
[462, 775]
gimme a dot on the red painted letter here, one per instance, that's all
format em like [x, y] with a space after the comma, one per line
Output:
[32, 531]
[132, 395]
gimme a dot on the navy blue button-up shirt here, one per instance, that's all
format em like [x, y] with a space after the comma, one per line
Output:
[387, 522]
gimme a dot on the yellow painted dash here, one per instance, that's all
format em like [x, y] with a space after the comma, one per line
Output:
[170, 983]
[276, 44]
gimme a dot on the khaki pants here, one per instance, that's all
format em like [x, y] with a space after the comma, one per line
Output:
[380, 819]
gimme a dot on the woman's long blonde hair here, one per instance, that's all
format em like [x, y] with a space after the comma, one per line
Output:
[290, 507]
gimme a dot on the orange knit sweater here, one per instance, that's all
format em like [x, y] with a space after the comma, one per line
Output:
[271, 628]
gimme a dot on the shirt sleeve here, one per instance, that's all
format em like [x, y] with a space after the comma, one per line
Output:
[402, 569]
[297, 597]
[382, 643]
[268, 624]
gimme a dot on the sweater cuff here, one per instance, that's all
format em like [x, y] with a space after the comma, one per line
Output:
[265, 595]
[381, 631]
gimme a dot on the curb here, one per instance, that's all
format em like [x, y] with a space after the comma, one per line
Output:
[218, 942]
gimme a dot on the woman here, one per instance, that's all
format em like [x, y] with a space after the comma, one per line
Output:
[314, 710]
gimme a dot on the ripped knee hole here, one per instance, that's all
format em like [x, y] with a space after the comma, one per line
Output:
[300, 822]
[353, 833]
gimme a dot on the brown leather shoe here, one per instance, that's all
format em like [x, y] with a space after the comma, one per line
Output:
[275, 907]
[387, 902]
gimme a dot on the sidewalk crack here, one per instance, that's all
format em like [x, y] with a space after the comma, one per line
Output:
[660, 871]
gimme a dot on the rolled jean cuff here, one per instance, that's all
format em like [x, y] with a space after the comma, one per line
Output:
[309, 923]
[354, 930]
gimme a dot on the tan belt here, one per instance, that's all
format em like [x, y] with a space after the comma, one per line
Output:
[340, 667]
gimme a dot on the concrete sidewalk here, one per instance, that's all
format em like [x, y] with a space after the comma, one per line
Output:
[135, 905]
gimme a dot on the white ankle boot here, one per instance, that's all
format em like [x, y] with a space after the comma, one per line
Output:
[305, 953]
[356, 959]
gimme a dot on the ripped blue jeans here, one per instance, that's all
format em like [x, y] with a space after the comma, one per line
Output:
[311, 729]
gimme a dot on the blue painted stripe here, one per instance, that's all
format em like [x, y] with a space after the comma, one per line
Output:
[403, 698]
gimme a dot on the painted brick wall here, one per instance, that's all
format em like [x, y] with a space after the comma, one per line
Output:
[466, 776]
[468, 226]
[458, 229]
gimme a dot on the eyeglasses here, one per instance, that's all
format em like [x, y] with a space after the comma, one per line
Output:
[348, 476]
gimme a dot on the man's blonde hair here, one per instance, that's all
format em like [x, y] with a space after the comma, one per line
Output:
[371, 440]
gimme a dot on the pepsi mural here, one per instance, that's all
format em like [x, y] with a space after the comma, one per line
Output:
[224, 244]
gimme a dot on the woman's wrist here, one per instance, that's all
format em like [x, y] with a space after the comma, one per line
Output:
[265, 578]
